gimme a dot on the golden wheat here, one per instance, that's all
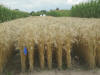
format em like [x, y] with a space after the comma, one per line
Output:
[63, 33]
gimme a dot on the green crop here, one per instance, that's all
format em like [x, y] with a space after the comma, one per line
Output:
[88, 9]
[7, 14]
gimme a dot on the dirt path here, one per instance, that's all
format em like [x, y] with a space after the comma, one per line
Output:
[67, 72]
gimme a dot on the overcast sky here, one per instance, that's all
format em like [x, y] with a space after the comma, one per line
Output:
[36, 5]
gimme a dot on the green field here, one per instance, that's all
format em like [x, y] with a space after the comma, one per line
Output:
[89, 9]
[7, 14]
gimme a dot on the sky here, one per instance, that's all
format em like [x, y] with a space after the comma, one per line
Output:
[37, 5]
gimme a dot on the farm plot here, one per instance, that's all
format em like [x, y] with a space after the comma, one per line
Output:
[54, 40]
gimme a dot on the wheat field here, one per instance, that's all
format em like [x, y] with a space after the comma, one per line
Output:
[55, 38]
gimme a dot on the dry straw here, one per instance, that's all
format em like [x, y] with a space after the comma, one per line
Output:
[63, 33]
[86, 43]
[47, 34]
[6, 46]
